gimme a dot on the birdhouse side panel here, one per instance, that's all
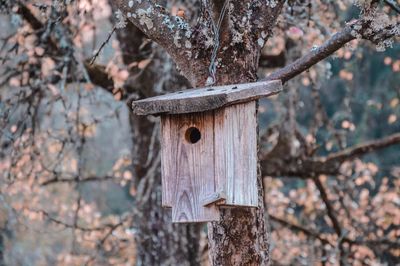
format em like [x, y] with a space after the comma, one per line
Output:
[236, 153]
[168, 184]
[188, 166]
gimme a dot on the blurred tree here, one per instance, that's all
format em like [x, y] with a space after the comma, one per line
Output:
[64, 171]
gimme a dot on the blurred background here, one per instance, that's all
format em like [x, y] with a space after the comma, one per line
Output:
[79, 173]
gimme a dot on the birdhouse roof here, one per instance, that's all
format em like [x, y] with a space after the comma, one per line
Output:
[205, 99]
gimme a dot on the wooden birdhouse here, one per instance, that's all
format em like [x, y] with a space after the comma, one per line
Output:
[208, 147]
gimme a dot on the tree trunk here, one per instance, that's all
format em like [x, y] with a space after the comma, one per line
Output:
[241, 236]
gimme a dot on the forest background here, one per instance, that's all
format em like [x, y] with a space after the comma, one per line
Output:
[77, 187]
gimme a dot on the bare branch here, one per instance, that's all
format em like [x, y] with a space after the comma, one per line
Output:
[362, 149]
[393, 4]
[358, 242]
[374, 242]
[329, 209]
[299, 228]
[96, 73]
[75, 180]
[314, 56]
[336, 42]
[78, 227]
[102, 46]
[26, 13]
[35, 24]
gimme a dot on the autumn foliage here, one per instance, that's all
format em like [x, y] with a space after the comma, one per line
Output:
[78, 175]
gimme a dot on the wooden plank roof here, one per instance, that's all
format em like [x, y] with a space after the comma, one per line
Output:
[205, 99]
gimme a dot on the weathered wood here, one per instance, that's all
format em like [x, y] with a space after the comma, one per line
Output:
[236, 153]
[212, 167]
[204, 99]
[168, 180]
[214, 198]
[188, 168]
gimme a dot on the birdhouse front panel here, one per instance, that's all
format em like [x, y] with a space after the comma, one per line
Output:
[188, 166]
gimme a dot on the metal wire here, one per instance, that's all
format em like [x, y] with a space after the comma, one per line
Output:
[212, 69]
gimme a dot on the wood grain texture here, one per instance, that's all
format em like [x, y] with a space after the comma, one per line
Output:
[236, 153]
[205, 99]
[218, 170]
[168, 180]
[187, 168]
[214, 198]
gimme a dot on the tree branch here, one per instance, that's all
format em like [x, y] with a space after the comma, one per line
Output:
[35, 24]
[359, 242]
[154, 21]
[329, 209]
[393, 5]
[173, 33]
[298, 228]
[75, 180]
[329, 47]
[362, 149]
[78, 227]
[26, 13]
[97, 73]
[337, 41]
[332, 216]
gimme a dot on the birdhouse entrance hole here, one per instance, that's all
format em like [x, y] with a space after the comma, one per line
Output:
[193, 135]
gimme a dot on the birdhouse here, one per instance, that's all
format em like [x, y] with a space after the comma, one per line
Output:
[208, 147]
